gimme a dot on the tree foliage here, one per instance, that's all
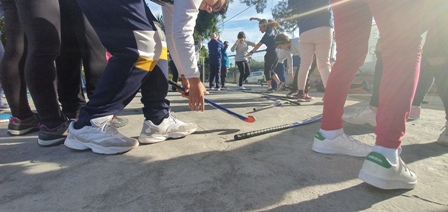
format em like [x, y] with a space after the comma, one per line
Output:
[260, 5]
[206, 23]
[281, 11]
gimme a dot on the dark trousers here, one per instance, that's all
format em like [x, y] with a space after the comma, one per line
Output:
[215, 73]
[12, 73]
[270, 62]
[223, 75]
[121, 25]
[244, 69]
[79, 44]
[39, 21]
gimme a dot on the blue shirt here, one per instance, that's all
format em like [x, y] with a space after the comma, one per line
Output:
[321, 18]
[215, 49]
[225, 58]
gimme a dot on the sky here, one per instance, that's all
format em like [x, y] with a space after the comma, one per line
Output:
[236, 23]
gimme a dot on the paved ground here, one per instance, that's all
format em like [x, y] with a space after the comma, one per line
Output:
[209, 171]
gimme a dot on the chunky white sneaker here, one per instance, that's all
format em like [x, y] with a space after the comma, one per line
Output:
[362, 116]
[100, 137]
[242, 88]
[342, 145]
[443, 138]
[169, 128]
[379, 172]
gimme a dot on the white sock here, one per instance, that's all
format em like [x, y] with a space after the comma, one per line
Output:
[389, 153]
[331, 134]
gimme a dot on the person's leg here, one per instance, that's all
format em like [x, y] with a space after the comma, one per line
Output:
[307, 50]
[281, 72]
[11, 66]
[324, 38]
[307, 85]
[240, 65]
[68, 63]
[218, 74]
[135, 49]
[270, 62]
[424, 84]
[353, 22]
[12, 74]
[374, 100]
[213, 73]
[43, 48]
[223, 75]
[93, 52]
[130, 62]
[246, 70]
[399, 24]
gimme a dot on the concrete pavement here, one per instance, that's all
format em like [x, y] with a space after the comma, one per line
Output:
[209, 171]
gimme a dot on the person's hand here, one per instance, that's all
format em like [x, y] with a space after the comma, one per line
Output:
[249, 54]
[194, 91]
[200, 37]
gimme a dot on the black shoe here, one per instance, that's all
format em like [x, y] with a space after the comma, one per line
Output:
[22, 127]
[118, 122]
[54, 136]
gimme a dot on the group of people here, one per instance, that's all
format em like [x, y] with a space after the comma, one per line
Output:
[47, 43]
[37, 38]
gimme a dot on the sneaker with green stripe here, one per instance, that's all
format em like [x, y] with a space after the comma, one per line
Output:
[341, 145]
[379, 172]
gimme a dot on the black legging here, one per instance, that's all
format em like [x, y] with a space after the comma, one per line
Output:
[40, 22]
[79, 43]
[244, 69]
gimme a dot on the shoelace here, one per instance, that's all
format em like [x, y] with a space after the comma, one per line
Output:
[172, 117]
[107, 128]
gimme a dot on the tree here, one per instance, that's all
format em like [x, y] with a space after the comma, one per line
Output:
[281, 11]
[260, 5]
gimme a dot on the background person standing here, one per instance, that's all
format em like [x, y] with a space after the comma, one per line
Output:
[215, 47]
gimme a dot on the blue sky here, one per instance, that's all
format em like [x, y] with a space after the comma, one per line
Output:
[238, 23]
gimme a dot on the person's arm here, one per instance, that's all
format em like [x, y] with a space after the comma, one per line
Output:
[249, 43]
[180, 30]
[254, 49]
[234, 47]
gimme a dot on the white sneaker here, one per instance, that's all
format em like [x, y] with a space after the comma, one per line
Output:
[169, 128]
[415, 113]
[443, 138]
[343, 145]
[379, 172]
[363, 116]
[100, 137]
[241, 88]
